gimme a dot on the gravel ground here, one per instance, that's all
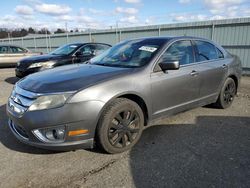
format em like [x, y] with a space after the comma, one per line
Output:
[204, 147]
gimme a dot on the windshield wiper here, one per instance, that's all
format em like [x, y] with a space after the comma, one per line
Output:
[102, 64]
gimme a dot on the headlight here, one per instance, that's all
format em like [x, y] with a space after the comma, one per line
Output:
[49, 101]
[46, 65]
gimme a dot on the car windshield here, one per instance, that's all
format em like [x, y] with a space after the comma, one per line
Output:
[134, 53]
[65, 50]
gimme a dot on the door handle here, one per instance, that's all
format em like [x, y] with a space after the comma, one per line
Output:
[224, 66]
[194, 73]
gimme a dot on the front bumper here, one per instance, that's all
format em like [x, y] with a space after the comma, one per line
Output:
[73, 116]
[64, 146]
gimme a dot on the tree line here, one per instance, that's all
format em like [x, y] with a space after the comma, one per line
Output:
[6, 33]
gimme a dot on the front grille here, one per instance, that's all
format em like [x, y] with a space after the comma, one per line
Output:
[23, 65]
[22, 97]
[19, 130]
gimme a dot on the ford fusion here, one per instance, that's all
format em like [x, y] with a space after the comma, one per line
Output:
[67, 54]
[111, 100]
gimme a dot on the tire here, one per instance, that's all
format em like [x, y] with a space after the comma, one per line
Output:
[120, 126]
[227, 94]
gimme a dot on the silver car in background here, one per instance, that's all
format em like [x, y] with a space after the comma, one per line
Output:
[110, 100]
[10, 55]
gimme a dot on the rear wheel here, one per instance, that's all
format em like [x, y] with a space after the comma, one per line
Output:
[227, 94]
[120, 126]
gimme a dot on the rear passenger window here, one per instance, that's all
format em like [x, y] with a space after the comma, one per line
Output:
[181, 51]
[14, 49]
[206, 51]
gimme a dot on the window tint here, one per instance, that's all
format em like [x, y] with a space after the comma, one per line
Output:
[14, 49]
[206, 51]
[3, 49]
[181, 51]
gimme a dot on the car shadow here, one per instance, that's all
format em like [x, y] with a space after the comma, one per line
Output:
[12, 80]
[213, 152]
[9, 140]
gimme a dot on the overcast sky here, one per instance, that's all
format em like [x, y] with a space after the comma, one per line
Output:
[100, 14]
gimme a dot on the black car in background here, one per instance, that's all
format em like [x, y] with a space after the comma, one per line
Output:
[67, 54]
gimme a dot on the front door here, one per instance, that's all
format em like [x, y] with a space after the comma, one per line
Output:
[175, 90]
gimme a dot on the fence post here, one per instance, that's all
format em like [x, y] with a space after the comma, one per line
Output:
[90, 37]
[22, 42]
[212, 33]
[67, 37]
[120, 35]
[35, 42]
[47, 45]
[9, 37]
[159, 31]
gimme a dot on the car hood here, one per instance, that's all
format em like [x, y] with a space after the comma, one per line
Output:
[70, 78]
[41, 58]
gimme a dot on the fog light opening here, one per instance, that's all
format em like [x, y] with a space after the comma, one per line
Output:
[50, 135]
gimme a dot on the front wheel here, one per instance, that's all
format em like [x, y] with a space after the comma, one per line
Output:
[227, 94]
[120, 126]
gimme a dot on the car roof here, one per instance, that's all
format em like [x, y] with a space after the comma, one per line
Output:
[82, 43]
[11, 45]
[167, 38]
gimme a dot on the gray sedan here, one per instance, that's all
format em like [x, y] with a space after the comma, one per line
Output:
[109, 101]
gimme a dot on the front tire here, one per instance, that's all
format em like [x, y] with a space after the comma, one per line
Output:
[120, 126]
[227, 94]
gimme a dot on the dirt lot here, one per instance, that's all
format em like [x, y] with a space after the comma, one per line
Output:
[203, 147]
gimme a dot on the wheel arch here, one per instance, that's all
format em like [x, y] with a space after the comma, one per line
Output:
[133, 97]
[139, 100]
[235, 80]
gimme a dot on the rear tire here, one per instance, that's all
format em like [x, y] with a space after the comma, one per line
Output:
[120, 126]
[227, 94]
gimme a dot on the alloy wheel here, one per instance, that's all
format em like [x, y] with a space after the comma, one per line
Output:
[229, 93]
[124, 128]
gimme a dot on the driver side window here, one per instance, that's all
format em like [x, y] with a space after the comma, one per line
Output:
[181, 51]
[88, 49]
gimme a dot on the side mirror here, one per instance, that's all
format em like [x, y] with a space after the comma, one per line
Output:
[169, 65]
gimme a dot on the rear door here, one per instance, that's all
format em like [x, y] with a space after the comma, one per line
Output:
[212, 67]
[4, 56]
[175, 90]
